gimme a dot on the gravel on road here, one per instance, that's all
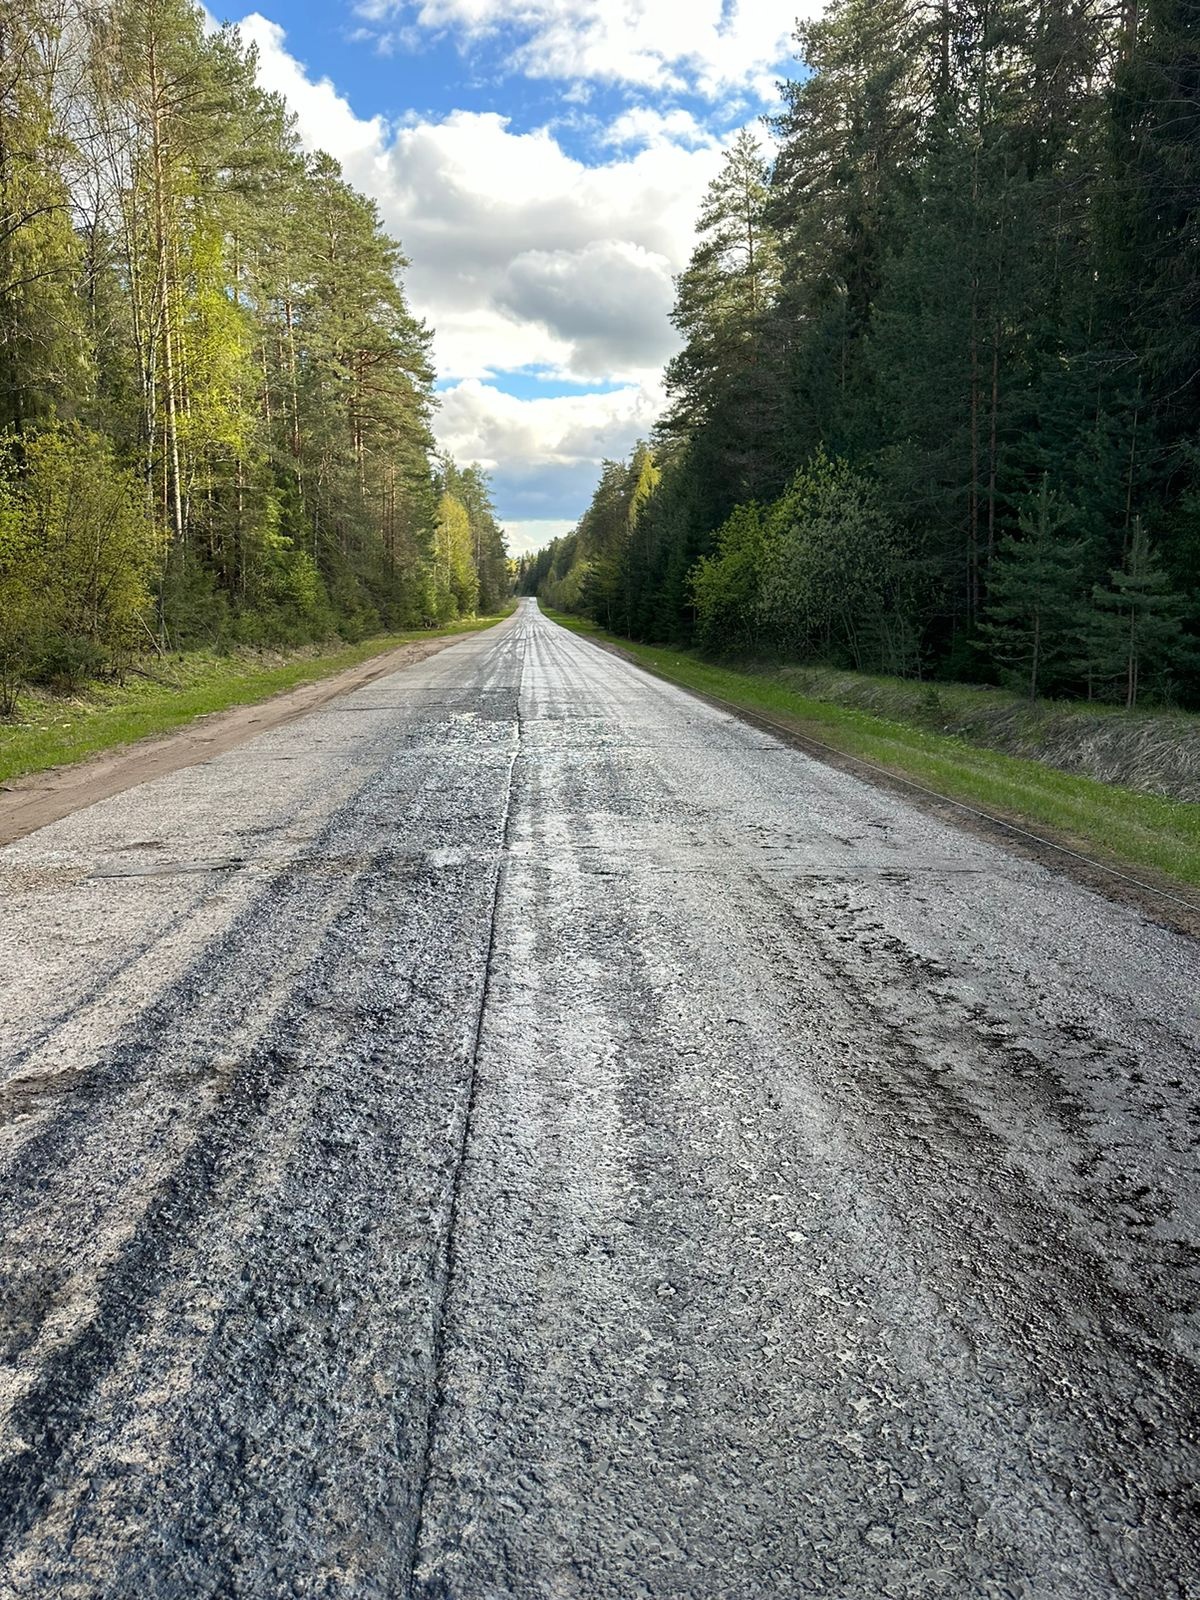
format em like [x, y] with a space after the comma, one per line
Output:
[519, 1131]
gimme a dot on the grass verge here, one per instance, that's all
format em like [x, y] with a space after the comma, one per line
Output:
[53, 731]
[1131, 828]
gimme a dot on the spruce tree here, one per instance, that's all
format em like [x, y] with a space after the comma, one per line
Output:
[1137, 628]
[1034, 595]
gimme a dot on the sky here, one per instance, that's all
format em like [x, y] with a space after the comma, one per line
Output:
[542, 163]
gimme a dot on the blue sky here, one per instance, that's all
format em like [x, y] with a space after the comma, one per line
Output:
[542, 161]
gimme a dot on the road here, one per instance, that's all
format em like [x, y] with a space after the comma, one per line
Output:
[521, 1132]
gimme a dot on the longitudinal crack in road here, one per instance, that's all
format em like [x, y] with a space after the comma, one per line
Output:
[444, 1282]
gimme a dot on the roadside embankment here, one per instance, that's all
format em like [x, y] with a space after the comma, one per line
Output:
[1156, 752]
[1124, 822]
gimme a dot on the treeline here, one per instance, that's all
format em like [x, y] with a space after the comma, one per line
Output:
[936, 410]
[214, 400]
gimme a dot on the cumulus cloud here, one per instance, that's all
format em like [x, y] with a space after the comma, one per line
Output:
[610, 300]
[527, 534]
[488, 425]
[524, 256]
[543, 453]
[704, 47]
[319, 108]
[498, 222]
[644, 125]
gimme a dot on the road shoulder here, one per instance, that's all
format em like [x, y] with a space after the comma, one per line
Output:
[40, 798]
[1137, 883]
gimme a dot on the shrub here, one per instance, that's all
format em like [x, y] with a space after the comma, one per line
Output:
[813, 573]
[78, 549]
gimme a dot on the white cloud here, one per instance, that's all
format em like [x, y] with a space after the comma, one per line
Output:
[321, 111]
[544, 452]
[478, 422]
[525, 535]
[644, 125]
[704, 46]
[480, 341]
[524, 256]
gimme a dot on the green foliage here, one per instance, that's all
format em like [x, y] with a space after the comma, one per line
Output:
[828, 563]
[723, 293]
[468, 486]
[1034, 598]
[589, 570]
[818, 569]
[456, 580]
[1137, 630]
[24, 612]
[78, 551]
[223, 317]
[974, 296]
[43, 355]
[726, 586]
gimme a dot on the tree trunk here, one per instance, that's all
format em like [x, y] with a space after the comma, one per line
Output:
[973, 486]
[993, 430]
[173, 475]
[1131, 674]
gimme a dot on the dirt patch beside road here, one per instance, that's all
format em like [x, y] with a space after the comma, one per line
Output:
[32, 802]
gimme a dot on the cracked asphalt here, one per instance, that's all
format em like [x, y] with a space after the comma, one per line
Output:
[521, 1132]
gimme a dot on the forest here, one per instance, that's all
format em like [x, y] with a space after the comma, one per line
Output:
[214, 400]
[937, 407]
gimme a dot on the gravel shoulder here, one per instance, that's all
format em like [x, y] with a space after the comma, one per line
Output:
[35, 801]
[1136, 884]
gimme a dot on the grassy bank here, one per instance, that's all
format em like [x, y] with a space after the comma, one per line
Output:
[1156, 751]
[51, 730]
[1131, 828]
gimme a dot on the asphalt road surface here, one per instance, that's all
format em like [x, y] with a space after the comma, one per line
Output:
[520, 1132]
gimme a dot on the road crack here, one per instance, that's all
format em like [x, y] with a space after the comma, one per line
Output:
[444, 1279]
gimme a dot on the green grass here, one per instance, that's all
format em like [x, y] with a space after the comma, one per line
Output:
[52, 731]
[1138, 830]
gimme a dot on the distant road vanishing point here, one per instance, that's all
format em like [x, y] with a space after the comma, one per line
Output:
[519, 1131]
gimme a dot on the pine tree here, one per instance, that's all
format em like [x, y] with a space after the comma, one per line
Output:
[177, 275]
[43, 361]
[721, 303]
